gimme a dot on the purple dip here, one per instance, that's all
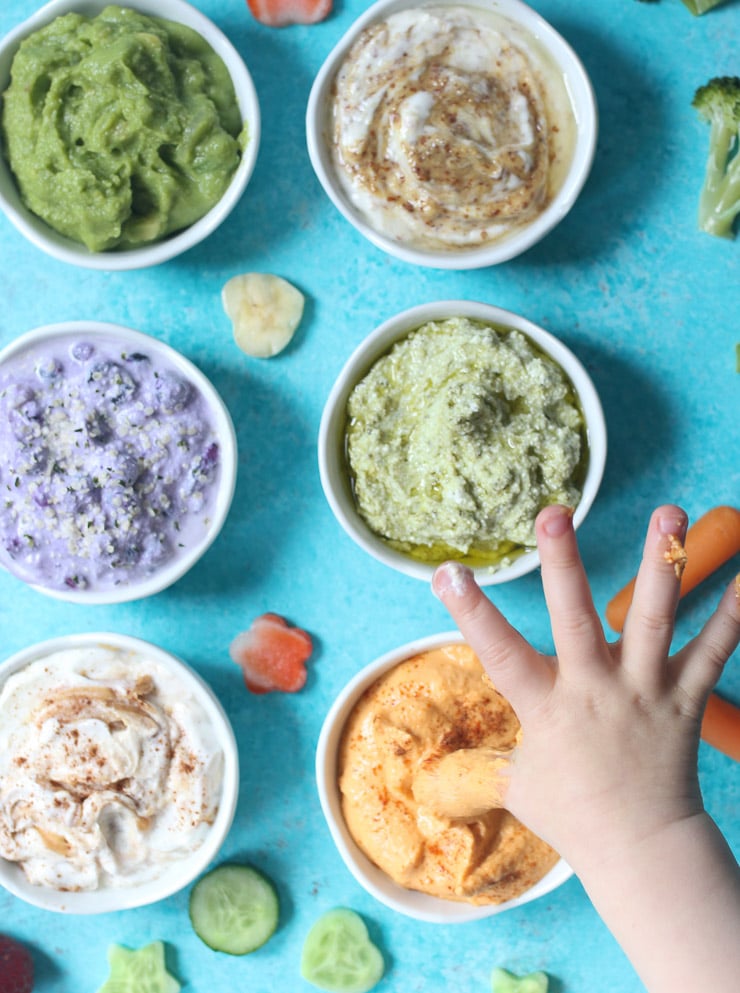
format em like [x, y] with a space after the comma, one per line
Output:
[109, 464]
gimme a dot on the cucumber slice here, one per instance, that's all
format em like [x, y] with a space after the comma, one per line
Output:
[234, 909]
[138, 971]
[338, 955]
[506, 982]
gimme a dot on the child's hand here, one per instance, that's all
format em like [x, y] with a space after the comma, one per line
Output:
[610, 731]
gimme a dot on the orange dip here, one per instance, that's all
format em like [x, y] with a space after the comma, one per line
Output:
[429, 705]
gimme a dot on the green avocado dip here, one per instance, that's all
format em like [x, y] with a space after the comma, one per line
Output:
[120, 129]
[458, 437]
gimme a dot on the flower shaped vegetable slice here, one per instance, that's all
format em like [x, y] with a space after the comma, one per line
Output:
[503, 981]
[279, 13]
[338, 955]
[272, 655]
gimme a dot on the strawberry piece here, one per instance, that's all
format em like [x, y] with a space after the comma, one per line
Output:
[16, 966]
[272, 655]
[279, 13]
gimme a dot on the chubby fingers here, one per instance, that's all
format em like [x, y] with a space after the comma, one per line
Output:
[519, 672]
[576, 628]
[699, 664]
[648, 629]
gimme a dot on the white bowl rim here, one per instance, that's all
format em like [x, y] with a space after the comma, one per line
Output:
[583, 101]
[375, 345]
[414, 904]
[174, 878]
[223, 426]
[65, 249]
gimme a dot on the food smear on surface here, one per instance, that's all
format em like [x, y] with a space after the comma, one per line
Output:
[110, 769]
[338, 955]
[120, 129]
[234, 909]
[280, 13]
[675, 555]
[265, 311]
[458, 437]
[423, 708]
[109, 465]
[451, 127]
[272, 655]
[16, 966]
[503, 981]
[137, 970]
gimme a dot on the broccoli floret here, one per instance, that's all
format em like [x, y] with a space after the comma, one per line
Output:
[718, 102]
[695, 6]
[702, 6]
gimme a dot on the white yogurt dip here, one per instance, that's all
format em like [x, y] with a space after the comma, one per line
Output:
[110, 769]
[451, 127]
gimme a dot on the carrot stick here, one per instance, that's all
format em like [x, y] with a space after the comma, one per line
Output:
[721, 726]
[710, 542]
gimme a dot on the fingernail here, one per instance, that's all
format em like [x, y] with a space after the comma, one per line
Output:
[556, 521]
[452, 578]
[672, 525]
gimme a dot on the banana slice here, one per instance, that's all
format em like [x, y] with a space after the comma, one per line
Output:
[265, 311]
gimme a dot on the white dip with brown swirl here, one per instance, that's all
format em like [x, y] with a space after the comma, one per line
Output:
[451, 125]
[110, 769]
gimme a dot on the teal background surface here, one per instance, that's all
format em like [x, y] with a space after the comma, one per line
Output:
[648, 303]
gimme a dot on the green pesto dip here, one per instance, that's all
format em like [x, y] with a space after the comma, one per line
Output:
[458, 437]
[120, 129]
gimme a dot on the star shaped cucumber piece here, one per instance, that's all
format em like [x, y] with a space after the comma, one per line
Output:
[506, 982]
[141, 970]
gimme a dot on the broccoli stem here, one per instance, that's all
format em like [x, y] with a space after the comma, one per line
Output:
[718, 203]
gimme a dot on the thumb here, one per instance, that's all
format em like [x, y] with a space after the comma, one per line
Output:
[519, 672]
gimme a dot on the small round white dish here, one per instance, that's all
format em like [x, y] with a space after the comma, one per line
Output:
[333, 469]
[580, 94]
[176, 566]
[412, 903]
[65, 249]
[178, 874]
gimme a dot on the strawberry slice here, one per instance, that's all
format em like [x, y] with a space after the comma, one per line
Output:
[272, 655]
[278, 13]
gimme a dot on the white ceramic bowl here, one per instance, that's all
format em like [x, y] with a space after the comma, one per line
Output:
[409, 902]
[331, 446]
[67, 250]
[178, 874]
[580, 93]
[172, 569]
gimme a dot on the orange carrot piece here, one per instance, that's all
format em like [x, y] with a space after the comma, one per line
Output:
[710, 542]
[721, 726]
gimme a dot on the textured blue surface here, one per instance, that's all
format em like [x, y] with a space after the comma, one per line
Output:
[647, 302]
